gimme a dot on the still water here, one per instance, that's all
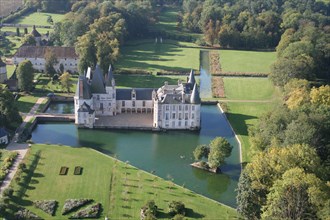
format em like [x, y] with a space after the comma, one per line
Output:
[165, 153]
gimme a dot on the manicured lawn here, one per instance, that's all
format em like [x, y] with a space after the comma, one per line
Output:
[9, 45]
[243, 115]
[170, 55]
[246, 61]
[46, 85]
[146, 81]
[10, 70]
[248, 88]
[120, 188]
[26, 102]
[38, 18]
[168, 22]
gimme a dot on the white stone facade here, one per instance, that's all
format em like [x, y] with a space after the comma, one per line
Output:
[36, 54]
[171, 106]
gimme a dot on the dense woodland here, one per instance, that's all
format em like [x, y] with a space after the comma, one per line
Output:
[288, 177]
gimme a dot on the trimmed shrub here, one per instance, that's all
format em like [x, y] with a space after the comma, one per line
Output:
[178, 217]
[48, 206]
[89, 212]
[25, 214]
[149, 210]
[74, 204]
[176, 207]
[78, 170]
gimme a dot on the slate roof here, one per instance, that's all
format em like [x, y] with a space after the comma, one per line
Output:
[85, 108]
[35, 33]
[2, 64]
[3, 132]
[109, 77]
[191, 78]
[83, 89]
[98, 83]
[173, 99]
[141, 94]
[40, 51]
[195, 98]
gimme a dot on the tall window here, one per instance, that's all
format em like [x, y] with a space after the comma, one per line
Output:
[193, 108]
[123, 103]
[144, 103]
[173, 115]
[133, 103]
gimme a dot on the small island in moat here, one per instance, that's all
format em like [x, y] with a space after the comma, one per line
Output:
[215, 153]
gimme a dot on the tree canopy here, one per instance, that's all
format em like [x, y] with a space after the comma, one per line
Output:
[25, 73]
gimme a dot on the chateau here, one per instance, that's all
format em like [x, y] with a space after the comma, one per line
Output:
[170, 107]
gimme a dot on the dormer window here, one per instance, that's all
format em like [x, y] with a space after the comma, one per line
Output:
[133, 95]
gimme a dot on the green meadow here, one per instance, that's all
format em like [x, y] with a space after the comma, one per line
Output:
[120, 188]
[246, 61]
[169, 55]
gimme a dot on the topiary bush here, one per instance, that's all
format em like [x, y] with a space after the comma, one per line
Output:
[176, 207]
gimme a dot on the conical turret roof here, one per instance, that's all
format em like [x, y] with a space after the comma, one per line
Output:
[191, 79]
[195, 98]
[97, 85]
[35, 33]
[83, 91]
[109, 77]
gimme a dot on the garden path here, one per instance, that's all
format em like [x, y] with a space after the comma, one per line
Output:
[20, 148]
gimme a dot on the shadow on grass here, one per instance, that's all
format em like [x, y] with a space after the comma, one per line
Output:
[24, 185]
[238, 122]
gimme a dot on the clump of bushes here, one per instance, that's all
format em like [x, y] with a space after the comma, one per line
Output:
[48, 206]
[25, 214]
[176, 208]
[89, 212]
[73, 204]
[149, 210]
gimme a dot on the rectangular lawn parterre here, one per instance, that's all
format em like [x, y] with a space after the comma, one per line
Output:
[120, 188]
[170, 56]
[248, 88]
[246, 61]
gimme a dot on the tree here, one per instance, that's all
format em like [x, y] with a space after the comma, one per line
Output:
[51, 60]
[297, 195]
[66, 81]
[220, 148]
[18, 34]
[25, 75]
[176, 207]
[149, 210]
[9, 115]
[200, 152]
[267, 167]
[320, 96]
[29, 40]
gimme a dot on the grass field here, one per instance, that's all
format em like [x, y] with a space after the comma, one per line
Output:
[10, 70]
[248, 88]
[120, 188]
[168, 22]
[47, 85]
[170, 55]
[243, 115]
[9, 45]
[146, 81]
[26, 102]
[246, 61]
[38, 18]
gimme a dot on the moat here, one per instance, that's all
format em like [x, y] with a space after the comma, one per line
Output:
[166, 154]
